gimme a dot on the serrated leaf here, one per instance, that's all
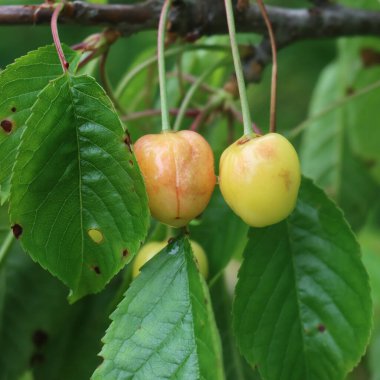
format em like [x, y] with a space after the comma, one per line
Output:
[20, 84]
[77, 192]
[303, 309]
[164, 327]
[326, 153]
[370, 243]
[40, 331]
[235, 366]
[220, 232]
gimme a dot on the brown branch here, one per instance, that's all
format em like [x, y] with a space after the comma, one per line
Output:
[192, 19]
[205, 18]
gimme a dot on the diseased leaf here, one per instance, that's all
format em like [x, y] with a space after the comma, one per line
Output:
[164, 327]
[20, 83]
[40, 331]
[77, 196]
[326, 153]
[303, 309]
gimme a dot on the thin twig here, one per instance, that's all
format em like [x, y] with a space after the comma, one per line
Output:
[273, 100]
[57, 42]
[105, 82]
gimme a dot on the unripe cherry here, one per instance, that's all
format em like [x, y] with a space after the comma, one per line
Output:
[149, 250]
[259, 177]
[178, 169]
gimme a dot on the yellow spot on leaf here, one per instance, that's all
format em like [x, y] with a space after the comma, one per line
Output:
[96, 235]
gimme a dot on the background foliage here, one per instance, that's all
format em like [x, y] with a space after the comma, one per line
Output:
[338, 150]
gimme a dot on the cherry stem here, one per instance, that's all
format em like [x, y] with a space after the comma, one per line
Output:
[273, 100]
[247, 121]
[161, 65]
[57, 42]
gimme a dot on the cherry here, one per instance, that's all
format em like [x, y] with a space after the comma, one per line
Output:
[259, 177]
[151, 249]
[178, 169]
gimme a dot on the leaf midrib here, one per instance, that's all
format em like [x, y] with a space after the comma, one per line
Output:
[71, 95]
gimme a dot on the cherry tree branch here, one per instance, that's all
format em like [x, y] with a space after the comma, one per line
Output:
[192, 19]
[206, 18]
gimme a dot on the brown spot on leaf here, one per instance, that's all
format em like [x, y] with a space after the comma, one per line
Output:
[321, 328]
[96, 269]
[369, 57]
[125, 253]
[170, 240]
[131, 162]
[17, 230]
[6, 125]
[350, 91]
[40, 338]
[13, 109]
[128, 141]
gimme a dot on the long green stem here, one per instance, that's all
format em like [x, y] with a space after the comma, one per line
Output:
[247, 121]
[190, 93]
[130, 74]
[334, 106]
[161, 65]
[5, 247]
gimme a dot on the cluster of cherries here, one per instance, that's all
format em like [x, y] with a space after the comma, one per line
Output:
[259, 178]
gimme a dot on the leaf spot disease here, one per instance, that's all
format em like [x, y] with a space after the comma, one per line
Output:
[321, 328]
[96, 269]
[40, 338]
[128, 141]
[96, 235]
[6, 125]
[125, 253]
[13, 109]
[17, 230]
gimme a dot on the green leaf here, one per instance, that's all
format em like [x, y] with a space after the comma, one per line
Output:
[40, 331]
[235, 366]
[303, 309]
[358, 60]
[164, 327]
[327, 157]
[370, 242]
[20, 83]
[220, 232]
[77, 192]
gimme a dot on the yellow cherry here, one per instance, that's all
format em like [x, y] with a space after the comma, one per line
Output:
[259, 177]
[151, 249]
[178, 169]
